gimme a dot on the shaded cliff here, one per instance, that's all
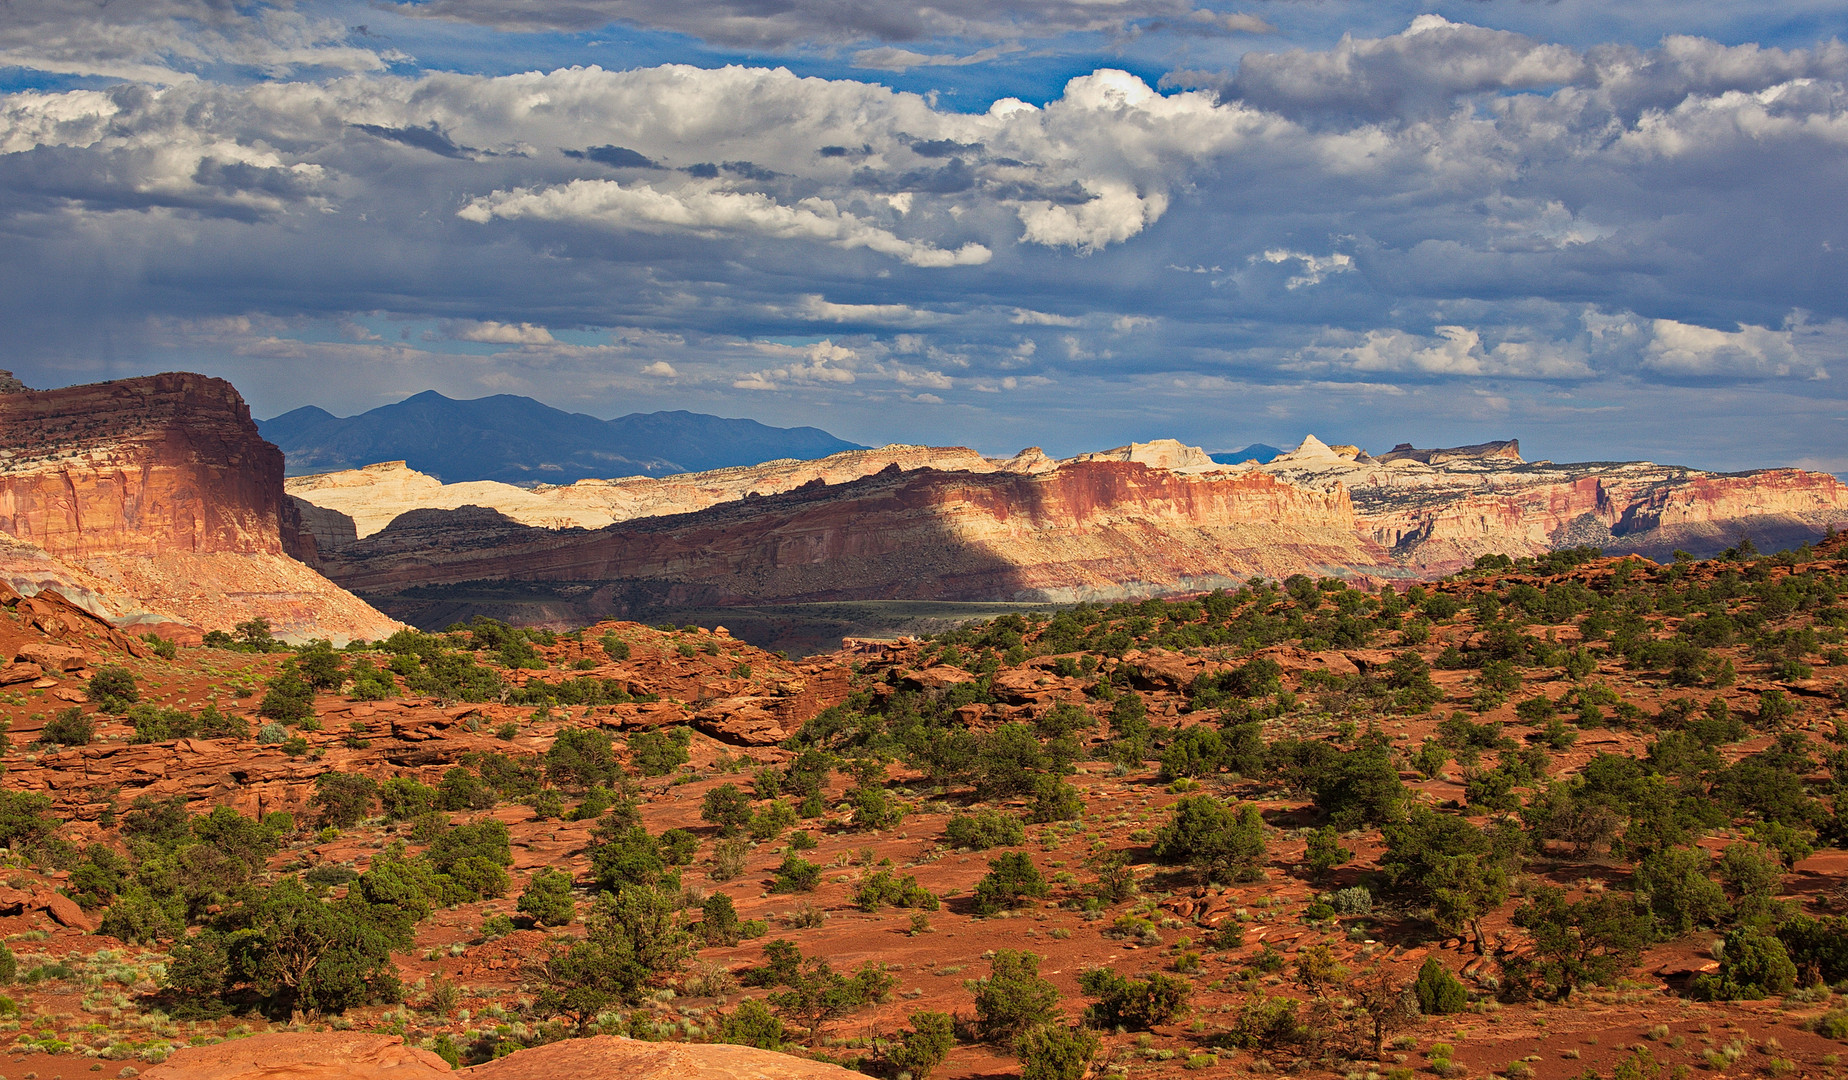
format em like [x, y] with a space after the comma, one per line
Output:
[155, 500]
[1142, 520]
[1098, 529]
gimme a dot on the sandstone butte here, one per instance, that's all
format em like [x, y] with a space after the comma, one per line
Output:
[948, 524]
[155, 503]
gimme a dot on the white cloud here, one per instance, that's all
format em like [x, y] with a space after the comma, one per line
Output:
[1452, 351]
[816, 307]
[1677, 348]
[752, 24]
[661, 368]
[706, 210]
[496, 333]
[819, 364]
[888, 58]
[1315, 267]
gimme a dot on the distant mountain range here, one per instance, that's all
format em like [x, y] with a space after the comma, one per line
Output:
[1262, 453]
[521, 441]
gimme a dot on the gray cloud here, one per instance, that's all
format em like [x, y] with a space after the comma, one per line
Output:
[781, 23]
[1447, 207]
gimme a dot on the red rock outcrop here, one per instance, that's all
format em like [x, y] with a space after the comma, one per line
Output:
[155, 501]
[167, 463]
[328, 1055]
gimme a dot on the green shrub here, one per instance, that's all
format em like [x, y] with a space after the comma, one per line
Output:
[113, 688]
[342, 800]
[923, 1046]
[752, 1024]
[547, 898]
[1014, 996]
[1439, 992]
[1055, 1052]
[885, 887]
[1753, 966]
[727, 807]
[984, 830]
[1010, 879]
[1136, 1004]
[719, 920]
[659, 753]
[796, 874]
[289, 699]
[581, 758]
[1221, 843]
[70, 727]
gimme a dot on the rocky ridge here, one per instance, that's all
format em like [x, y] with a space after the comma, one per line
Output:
[154, 501]
[950, 525]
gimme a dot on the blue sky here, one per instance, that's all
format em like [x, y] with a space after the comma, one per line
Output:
[1610, 229]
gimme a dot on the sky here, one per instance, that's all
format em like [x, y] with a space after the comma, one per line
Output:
[1613, 229]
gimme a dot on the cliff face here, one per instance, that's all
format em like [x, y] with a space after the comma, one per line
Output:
[169, 463]
[377, 494]
[154, 500]
[1140, 520]
[1086, 530]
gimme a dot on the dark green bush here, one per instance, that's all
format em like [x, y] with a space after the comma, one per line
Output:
[985, 829]
[1011, 878]
[70, 727]
[1136, 1004]
[547, 898]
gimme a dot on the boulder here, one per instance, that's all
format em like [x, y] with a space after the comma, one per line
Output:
[52, 657]
[606, 1057]
[320, 1055]
[13, 674]
[744, 721]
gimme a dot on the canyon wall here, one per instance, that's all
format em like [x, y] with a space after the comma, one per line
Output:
[154, 502]
[1140, 520]
[1087, 530]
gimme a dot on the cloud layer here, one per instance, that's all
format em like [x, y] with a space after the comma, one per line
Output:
[268, 193]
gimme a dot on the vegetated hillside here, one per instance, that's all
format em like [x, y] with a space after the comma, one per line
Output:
[1566, 817]
[519, 440]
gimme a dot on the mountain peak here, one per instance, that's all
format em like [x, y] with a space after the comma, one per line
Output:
[518, 440]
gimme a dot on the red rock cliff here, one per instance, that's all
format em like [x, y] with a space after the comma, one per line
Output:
[158, 465]
[1088, 529]
[154, 500]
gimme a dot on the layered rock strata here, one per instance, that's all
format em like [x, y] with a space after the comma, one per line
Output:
[155, 500]
[1138, 520]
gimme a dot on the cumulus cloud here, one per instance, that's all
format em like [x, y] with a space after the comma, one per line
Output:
[495, 333]
[1441, 204]
[1315, 268]
[167, 41]
[1676, 348]
[1453, 351]
[1419, 71]
[821, 363]
[709, 211]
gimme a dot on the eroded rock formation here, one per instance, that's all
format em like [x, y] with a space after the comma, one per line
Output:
[951, 525]
[155, 500]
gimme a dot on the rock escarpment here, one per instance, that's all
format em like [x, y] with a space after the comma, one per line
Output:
[1096, 529]
[376, 495]
[155, 500]
[1140, 520]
